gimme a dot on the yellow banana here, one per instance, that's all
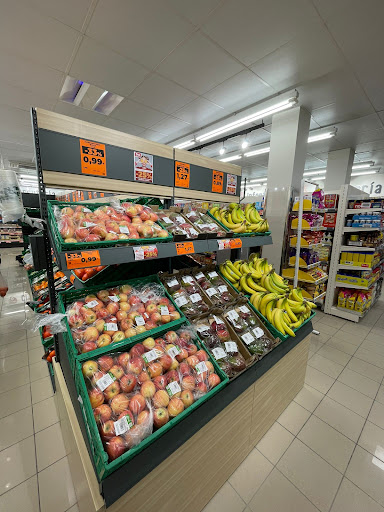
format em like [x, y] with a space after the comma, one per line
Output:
[295, 295]
[277, 320]
[287, 329]
[291, 314]
[268, 310]
[264, 301]
[232, 267]
[245, 287]
[227, 224]
[253, 285]
[231, 279]
[256, 299]
[235, 216]
[312, 305]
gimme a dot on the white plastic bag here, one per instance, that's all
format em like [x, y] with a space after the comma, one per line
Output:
[10, 197]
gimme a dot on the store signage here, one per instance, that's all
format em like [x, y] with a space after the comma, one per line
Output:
[184, 248]
[182, 174]
[82, 259]
[217, 181]
[92, 156]
[235, 243]
[231, 184]
[143, 167]
[225, 243]
[145, 252]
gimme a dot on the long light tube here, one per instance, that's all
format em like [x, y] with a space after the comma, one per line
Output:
[363, 173]
[258, 151]
[363, 165]
[314, 173]
[185, 144]
[230, 158]
[284, 105]
[322, 136]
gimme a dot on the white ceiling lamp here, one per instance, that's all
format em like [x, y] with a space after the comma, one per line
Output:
[186, 144]
[363, 165]
[244, 144]
[73, 90]
[363, 173]
[258, 151]
[222, 150]
[273, 109]
[107, 103]
[258, 180]
[315, 172]
[322, 136]
[230, 158]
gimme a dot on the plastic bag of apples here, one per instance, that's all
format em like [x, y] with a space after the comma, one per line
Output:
[114, 314]
[150, 384]
[80, 224]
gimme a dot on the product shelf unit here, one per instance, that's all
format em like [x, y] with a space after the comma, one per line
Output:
[356, 211]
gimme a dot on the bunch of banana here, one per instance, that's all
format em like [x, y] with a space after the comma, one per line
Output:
[240, 221]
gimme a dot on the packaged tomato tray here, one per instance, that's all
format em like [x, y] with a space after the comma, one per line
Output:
[112, 315]
[136, 392]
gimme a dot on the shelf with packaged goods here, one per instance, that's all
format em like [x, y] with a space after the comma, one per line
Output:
[354, 267]
[319, 281]
[307, 267]
[348, 314]
[356, 211]
[321, 296]
[313, 228]
[349, 229]
[358, 287]
[356, 248]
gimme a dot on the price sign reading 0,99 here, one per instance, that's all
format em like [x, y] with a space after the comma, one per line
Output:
[92, 156]
[82, 259]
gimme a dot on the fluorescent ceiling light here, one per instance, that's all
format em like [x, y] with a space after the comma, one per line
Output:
[185, 144]
[107, 103]
[322, 136]
[231, 158]
[244, 144]
[278, 107]
[73, 90]
[27, 176]
[363, 165]
[363, 173]
[313, 173]
[258, 151]
[222, 150]
[257, 180]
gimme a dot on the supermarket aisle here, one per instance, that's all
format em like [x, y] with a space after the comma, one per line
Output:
[325, 452]
[34, 472]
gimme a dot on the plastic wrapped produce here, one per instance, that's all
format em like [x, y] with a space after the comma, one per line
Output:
[134, 392]
[214, 286]
[187, 294]
[177, 224]
[11, 205]
[205, 223]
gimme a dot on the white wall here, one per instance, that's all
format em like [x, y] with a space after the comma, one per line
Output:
[373, 184]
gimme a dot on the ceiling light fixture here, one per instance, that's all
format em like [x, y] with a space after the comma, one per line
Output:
[363, 165]
[363, 173]
[73, 90]
[258, 151]
[257, 180]
[107, 103]
[185, 144]
[322, 136]
[313, 173]
[222, 150]
[278, 107]
[230, 158]
[244, 144]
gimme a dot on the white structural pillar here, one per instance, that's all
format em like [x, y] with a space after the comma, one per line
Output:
[339, 168]
[287, 156]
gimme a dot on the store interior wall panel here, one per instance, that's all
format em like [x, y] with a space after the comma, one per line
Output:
[193, 158]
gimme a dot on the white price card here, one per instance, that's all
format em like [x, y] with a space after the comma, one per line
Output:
[172, 282]
[181, 301]
[187, 279]
[247, 338]
[218, 320]
[174, 351]
[105, 381]
[230, 346]
[180, 219]
[212, 274]
[172, 388]
[212, 225]
[222, 288]
[258, 332]
[195, 297]
[190, 214]
[201, 367]
[86, 210]
[114, 298]
[89, 224]
[244, 309]
[203, 328]
[167, 220]
[151, 355]
[199, 275]
[110, 326]
[193, 231]
[164, 310]
[139, 320]
[232, 315]
[218, 353]
[124, 229]
[211, 291]
[91, 304]
[123, 425]
[224, 244]
[139, 253]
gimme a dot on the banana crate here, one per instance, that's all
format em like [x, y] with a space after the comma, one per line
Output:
[241, 222]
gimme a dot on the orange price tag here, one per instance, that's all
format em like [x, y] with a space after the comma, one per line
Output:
[217, 181]
[72, 278]
[82, 259]
[182, 174]
[235, 243]
[92, 156]
[184, 248]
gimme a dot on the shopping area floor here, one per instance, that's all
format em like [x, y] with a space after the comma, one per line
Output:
[325, 452]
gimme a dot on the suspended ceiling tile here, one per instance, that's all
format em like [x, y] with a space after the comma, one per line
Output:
[70, 12]
[381, 115]
[162, 94]
[370, 146]
[326, 145]
[294, 62]
[171, 127]
[200, 112]
[20, 98]
[67, 109]
[370, 136]
[137, 114]
[13, 116]
[197, 11]
[313, 162]
[122, 126]
[250, 30]
[199, 64]
[144, 31]
[35, 36]
[154, 136]
[118, 74]
[240, 91]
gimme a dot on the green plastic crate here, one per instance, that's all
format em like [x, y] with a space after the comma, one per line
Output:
[67, 297]
[100, 457]
[238, 234]
[48, 342]
[62, 246]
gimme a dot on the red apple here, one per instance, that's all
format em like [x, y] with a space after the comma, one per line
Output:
[100, 325]
[154, 369]
[202, 355]
[128, 382]
[175, 407]
[117, 371]
[90, 334]
[103, 295]
[148, 343]
[115, 447]
[123, 359]
[172, 376]
[81, 233]
[130, 332]
[185, 369]
[121, 315]
[137, 351]
[148, 389]
[160, 417]
[160, 382]
[89, 368]
[119, 403]
[165, 319]
[127, 413]
[187, 397]
[171, 337]
[183, 354]
[112, 390]
[149, 325]
[192, 361]
[143, 417]
[191, 349]
[202, 387]
[105, 363]
[107, 430]
[188, 382]
[88, 346]
[96, 397]
[143, 377]
[102, 313]
[136, 365]
[137, 404]
[103, 340]
[166, 362]
[102, 413]
[124, 306]
[160, 398]
[118, 336]
[213, 380]
[76, 320]
[112, 308]
[156, 318]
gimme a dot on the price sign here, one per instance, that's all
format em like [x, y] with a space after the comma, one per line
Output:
[143, 165]
[235, 243]
[182, 174]
[92, 156]
[145, 252]
[184, 248]
[82, 259]
[231, 184]
[225, 243]
[217, 181]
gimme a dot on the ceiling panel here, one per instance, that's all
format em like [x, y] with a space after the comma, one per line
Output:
[250, 30]
[162, 94]
[139, 115]
[199, 64]
[119, 74]
[294, 62]
[122, 126]
[20, 98]
[197, 11]
[67, 109]
[144, 31]
[172, 127]
[200, 112]
[35, 36]
[323, 146]
[153, 135]
[70, 12]
[240, 91]
[370, 146]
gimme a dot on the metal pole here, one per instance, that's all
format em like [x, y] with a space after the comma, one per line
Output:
[44, 216]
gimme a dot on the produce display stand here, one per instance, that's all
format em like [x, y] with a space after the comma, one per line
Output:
[180, 466]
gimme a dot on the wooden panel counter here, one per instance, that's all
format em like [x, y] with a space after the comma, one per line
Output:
[189, 463]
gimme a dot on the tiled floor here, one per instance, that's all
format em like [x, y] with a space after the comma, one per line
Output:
[325, 452]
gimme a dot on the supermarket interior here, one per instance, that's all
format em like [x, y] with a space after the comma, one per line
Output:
[191, 256]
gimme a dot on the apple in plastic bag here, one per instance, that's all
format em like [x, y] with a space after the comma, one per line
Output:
[160, 417]
[115, 447]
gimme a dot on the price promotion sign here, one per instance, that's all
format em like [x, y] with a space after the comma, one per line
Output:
[184, 248]
[145, 252]
[182, 174]
[93, 158]
[217, 181]
[235, 243]
[143, 167]
[224, 243]
[231, 184]
[83, 259]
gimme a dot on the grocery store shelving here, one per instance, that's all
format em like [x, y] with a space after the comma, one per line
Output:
[306, 267]
[356, 211]
[348, 229]
[320, 296]
[355, 248]
[353, 267]
[319, 281]
[356, 286]
[313, 228]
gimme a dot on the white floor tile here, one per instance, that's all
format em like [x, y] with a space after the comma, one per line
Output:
[24, 497]
[318, 380]
[366, 369]
[375, 335]
[16, 347]
[309, 398]
[372, 440]
[353, 328]
[326, 366]
[334, 355]
[366, 472]
[12, 363]
[339, 417]
[326, 328]
[35, 354]
[15, 400]
[294, 417]
[41, 389]
[44, 414]
[16, 427]
[49, 446]
[225, 500]
[38, 370]
[356, 381]
[376, 347]
[370, 357]
[350, 398]
[343, 346]
[352, 499]
[56, 488]
[380, 395]
[18, 463]
[13, 380]
[34, 342]
[275, 442]
[376, 414]
[353, 339]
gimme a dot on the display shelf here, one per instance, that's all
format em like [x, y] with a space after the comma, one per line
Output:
[306, 267]
[322, 295]
[348, 229]
[125, 254]
[354, 267]
[316, 228]
[355, 248]
[311, 246]
[356, 286]
[319, 281]
[348, 314]
[356, 211]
